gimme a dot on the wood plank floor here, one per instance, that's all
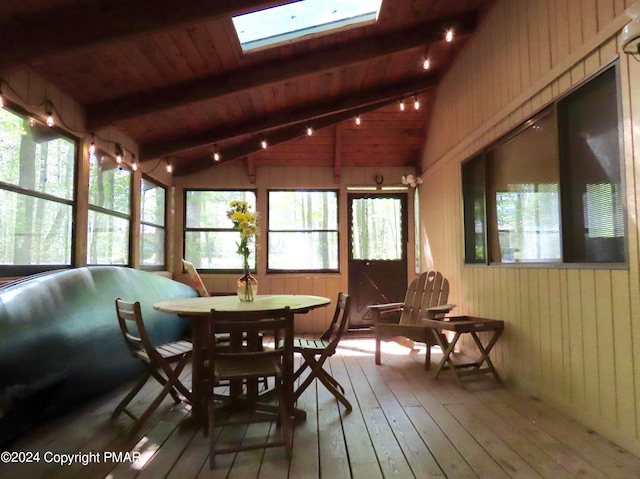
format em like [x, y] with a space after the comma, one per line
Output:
[404, 424]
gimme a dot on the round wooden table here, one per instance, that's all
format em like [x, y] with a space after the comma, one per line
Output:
[198, 309]
[194, 307]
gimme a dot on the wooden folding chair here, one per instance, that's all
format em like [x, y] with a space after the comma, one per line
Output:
[158, 362]
[244, 361]
[316, 351]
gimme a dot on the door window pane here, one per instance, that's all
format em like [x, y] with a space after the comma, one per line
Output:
[377, 229]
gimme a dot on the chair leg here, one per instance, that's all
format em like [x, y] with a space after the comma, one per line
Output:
[318, 372]
[178, 386]
[300, 369]
[212, 439]
[122, 405]
[324, 378]
[286, 421]
[162, 380]
[170, 383]
[427, 359]
[377, 350]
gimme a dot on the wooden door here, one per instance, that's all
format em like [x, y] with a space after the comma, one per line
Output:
[377, 252]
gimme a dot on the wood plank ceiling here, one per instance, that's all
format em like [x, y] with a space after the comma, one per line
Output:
[173, 77]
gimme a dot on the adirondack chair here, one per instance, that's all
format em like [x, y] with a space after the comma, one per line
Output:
[426, 299]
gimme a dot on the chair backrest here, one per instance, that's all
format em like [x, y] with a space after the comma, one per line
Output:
[130, 314]
[339, 322]
[428, 290]
[195, 277]
[245, 329]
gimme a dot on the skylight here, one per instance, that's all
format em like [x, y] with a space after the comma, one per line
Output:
[305, 18]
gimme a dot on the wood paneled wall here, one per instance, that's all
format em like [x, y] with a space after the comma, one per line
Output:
[236, 176]
[573, 334]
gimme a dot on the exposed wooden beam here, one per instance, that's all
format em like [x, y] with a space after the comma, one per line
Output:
[30, 38]
[241, 150]
[278, 119]
[105, 113]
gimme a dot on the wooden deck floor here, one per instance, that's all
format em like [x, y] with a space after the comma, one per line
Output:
[404, 424]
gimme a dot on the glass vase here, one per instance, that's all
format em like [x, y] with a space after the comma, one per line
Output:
[247, 287]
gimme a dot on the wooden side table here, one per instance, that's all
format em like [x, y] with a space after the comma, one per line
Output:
[465, 325]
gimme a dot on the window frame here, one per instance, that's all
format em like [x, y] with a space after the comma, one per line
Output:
[271, 270]
[186, 229]
[11, 270]
[162, 266]
[490, 226]
[113, 213]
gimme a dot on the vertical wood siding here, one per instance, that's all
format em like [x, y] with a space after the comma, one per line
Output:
[573, 334]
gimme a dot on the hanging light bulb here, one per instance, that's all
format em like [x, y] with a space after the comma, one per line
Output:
[358, 121]
[416, 103]
[92, 147]
[309, 131]
[449, 35]
[51, 122]
[119, 153]
[169, 167]
[402, 105]
[134, 163]
[426, 64]
[216, 155]
[264, 145]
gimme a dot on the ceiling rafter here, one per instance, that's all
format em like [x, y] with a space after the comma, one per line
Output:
[60, 30]
[131, 106]
[278, 119]
[275, 137]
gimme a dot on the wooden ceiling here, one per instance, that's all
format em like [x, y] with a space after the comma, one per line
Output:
[172, 76]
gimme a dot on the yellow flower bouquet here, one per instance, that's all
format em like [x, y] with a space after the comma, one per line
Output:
[246, 223]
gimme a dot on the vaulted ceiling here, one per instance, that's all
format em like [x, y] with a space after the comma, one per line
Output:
[173, 77]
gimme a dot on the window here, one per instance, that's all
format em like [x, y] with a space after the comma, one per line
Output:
[108, 235]
[594, 221]
[210, 242]
[302, 19]
[475, 225]
[37, 171]
[551, 190]
[523, 194]
[152, 225]
[303, 231]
